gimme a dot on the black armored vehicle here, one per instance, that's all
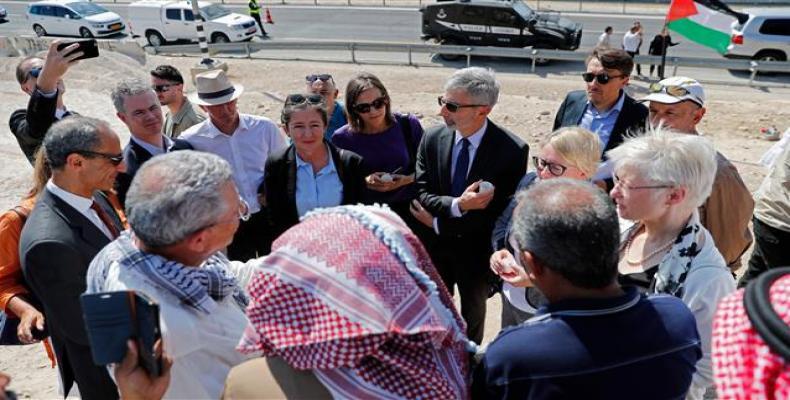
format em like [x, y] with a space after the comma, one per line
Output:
[500, 23]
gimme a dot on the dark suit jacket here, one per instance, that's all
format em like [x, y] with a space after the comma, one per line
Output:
[56, 247]
[30, 125]
[279, 183]
[134, 156]
[631, 120]
[501, 159]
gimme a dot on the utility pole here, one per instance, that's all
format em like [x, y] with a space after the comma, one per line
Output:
[207, 63]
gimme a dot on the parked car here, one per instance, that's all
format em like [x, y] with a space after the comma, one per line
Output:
[73, 18]
[3, 14]
[161, 21]
[509, 23]
[764, 36]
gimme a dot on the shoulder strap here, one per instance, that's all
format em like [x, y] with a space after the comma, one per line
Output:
[408, 137]
[22, 212]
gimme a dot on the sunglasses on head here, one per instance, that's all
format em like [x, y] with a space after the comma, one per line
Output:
[314, 77]
[602, 78]
[453, 107]
[112, 158]
[364, 108]
[296, 99]
[674, 91]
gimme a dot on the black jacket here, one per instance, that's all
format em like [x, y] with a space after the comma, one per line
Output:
[279, 183]
[134, 156]
[56, 248]
[632, 118]
[30, 125]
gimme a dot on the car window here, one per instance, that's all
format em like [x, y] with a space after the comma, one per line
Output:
[503, 17]
[188, 16]
[173, 13]
[35, 10]
[59, 11]
[476, 12]
[87, 9]
[47, 10]
[776, 26]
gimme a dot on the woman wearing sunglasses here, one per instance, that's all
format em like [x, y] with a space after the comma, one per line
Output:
[310, 173]
[661, 179]
[566, 153]
[386, 141]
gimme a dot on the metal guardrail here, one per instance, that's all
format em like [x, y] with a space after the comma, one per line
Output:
[535, 55]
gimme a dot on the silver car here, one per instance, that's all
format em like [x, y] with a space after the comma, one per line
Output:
[764, 36]
[3, 14]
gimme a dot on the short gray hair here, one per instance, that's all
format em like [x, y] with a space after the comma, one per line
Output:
[175, 195]
[72, 135]
[479, 83]
[666, 157]
[127, 88]
[571, 227]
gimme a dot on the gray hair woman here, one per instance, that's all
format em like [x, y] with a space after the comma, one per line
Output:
[660, 180]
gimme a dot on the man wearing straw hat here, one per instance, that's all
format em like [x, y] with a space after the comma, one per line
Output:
[245, 141]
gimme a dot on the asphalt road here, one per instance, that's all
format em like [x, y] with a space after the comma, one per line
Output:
[390, 24]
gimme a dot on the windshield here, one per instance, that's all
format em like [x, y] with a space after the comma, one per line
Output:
[87, 9]
[214, 11]
[523, 9]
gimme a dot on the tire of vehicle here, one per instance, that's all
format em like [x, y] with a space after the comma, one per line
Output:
[154, 38]
[541, 60]
[219, 37]
[40, 31]
[450, 57]
[770, 55]
[85, 33]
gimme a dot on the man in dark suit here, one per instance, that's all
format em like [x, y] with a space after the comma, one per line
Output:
[604, 108]
[137, 106]
[43, 82]
[452, 162]
[70, 223]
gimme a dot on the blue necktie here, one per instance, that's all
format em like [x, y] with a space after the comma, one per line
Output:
[461, 168]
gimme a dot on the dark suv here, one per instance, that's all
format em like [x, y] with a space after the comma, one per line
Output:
[501, 23]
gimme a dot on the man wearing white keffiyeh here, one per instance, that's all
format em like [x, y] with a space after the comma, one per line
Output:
[183, 209]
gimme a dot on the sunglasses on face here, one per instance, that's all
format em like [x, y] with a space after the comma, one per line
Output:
[602, 78]
[34, 72]
[554, 168]
[296, 99]
[453, 107]
[364, 108]
[163, 88]
[674, 91]
[112, 158]
[321, 77]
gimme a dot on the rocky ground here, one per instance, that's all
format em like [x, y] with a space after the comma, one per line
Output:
[527, 106]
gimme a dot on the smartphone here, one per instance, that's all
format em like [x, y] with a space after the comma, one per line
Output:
[88, 47]
[112, 318]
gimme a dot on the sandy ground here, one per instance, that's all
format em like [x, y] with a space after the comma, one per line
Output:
[527, 106]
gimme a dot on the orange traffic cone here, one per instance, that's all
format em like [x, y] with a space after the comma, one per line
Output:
[269, 19]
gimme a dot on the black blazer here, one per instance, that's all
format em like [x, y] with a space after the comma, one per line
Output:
[632, 118]
[134, 156]
[279, 183]
[501, 159]
[56, 248]
[30, 125]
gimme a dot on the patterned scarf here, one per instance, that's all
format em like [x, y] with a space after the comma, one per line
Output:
[351, 294]
[193, 286]
[674, 267]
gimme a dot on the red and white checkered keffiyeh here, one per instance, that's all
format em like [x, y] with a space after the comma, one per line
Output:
[351, 294]
[744, 366]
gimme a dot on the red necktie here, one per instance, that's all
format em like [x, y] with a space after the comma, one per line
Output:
[105, 219]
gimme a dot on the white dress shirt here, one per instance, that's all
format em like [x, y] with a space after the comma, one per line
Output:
[81, 204]
[246, 150]
[631, 41]
[202, 346]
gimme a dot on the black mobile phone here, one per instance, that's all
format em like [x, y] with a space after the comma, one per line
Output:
[112, 318]
[10, 395]
[88, 47]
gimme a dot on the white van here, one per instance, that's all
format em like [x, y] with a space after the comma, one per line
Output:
[73, 18]
[160, 21]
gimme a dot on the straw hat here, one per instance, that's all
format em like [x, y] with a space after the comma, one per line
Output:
[214, 88]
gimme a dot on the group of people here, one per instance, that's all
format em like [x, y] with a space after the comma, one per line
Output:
[632, 42]
[318, 258]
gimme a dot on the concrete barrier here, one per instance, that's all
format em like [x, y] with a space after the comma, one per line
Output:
[16, 46]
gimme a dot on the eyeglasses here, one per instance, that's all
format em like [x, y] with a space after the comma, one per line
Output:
[364, 108]
[618, 182]
[453, 106]
[112, 158]
[674, 91]
[602, 78]
[297, 99]
[323, 77]
[163, 88]
[554, 168]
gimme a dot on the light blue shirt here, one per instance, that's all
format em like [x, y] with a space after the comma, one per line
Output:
[322, 189]
[602, 123]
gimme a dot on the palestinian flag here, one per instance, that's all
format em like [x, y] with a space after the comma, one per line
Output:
[707, 22]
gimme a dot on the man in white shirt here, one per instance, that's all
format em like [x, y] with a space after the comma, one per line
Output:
[245, 141]
[137, 106]
[183, 208]
[71, 222]
[605, 40]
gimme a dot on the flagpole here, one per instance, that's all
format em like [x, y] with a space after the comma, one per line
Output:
[664, 46]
